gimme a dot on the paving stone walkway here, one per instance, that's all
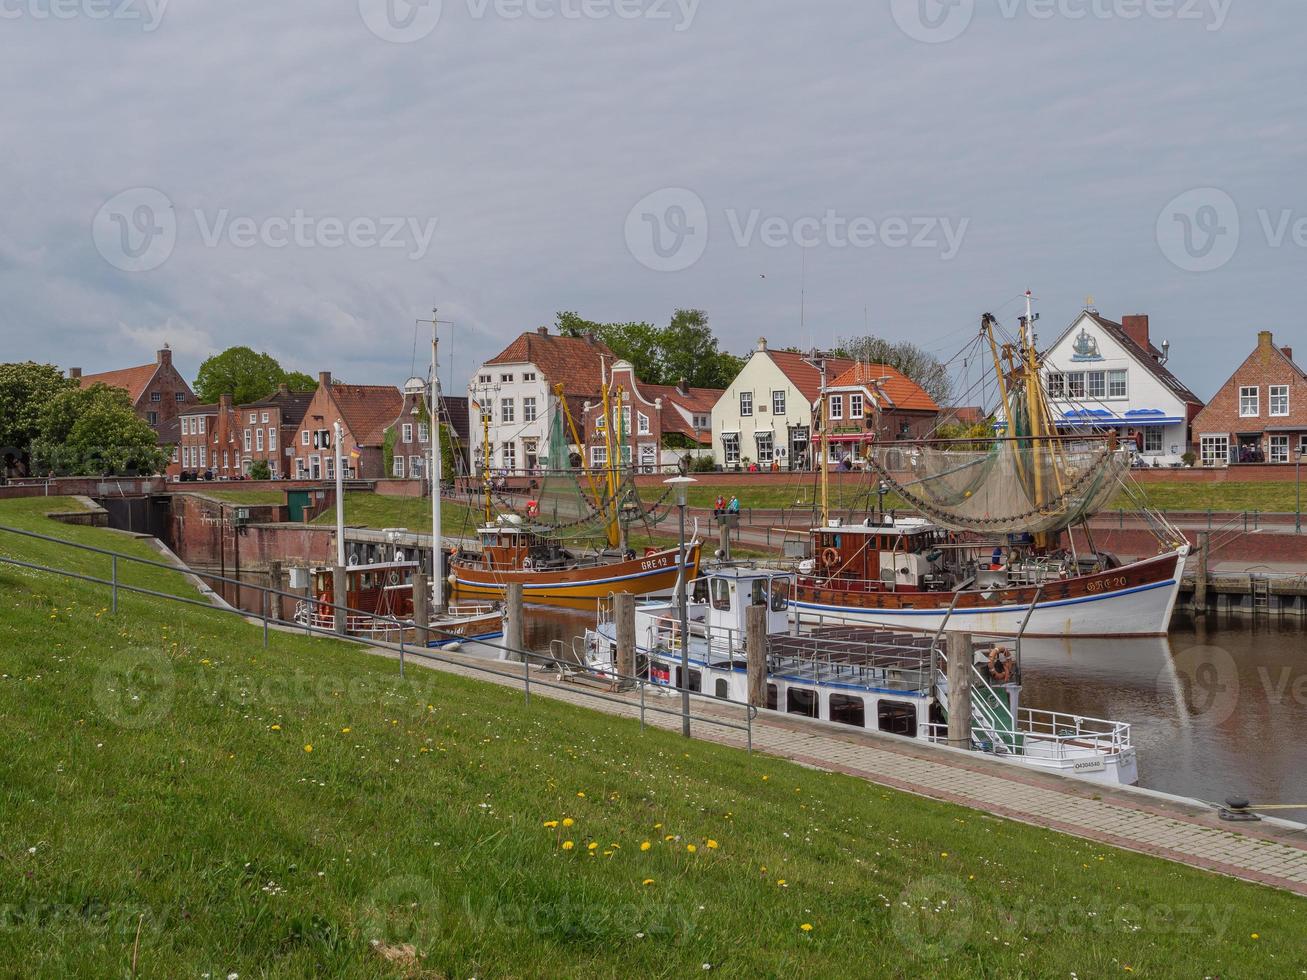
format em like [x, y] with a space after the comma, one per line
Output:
[1272, 854]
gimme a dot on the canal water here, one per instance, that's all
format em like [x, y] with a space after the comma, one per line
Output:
[1218, 708]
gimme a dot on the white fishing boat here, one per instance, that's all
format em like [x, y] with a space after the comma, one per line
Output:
[884, 680]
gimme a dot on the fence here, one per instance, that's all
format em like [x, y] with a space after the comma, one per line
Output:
[404, 649]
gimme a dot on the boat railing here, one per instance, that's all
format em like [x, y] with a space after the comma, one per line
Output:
[1070, 732]
[319, 616]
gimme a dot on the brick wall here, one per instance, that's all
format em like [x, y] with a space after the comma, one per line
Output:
[1266, 366]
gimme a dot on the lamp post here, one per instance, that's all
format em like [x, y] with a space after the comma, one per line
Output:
[1297, 482]
[682, 484]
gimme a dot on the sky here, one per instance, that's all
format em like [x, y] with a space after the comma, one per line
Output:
[312, 178]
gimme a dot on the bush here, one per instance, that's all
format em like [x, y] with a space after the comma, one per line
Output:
[702, 464]
[259, 470]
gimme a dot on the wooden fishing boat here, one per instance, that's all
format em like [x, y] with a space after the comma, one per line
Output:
[514, 552]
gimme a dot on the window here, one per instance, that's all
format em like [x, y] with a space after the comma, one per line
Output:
[648, 456]
[1153, 444]
[626, 421]
[855, 406]
[1056, 385]
[254, 418]
[531, 450]
[1097, 385]
[424, 432]
[731, 448]
[772, 700]
[152, 418]
[331, 467]
[721, 595]
[247, 440]
[696, 680]
[778, 403]
[528, 409]
[1278, 396]
[225, 458]
[407, 430]
[801, 701]
[1075, 384]
[263, 418]
[415, 467]
[175, 454]
[746, 404]
[720, 688]
[156, 397]
[180, 398]
[897, 718]
[1249, 402]
[766, 447]
[204, 457]
[528, 375]
[506, 379]
[703, 422]
[846, 710]
[1214, 450]
[488, 411]
[507, 410]
[601, 420]
[1118, 385]
[510, 455]
[1279, 449]
[272, 440]
[644, 424]
[598, 455]
[836, 407]
[483, 379]
[202, 422]
[186, 457]
[259, 439]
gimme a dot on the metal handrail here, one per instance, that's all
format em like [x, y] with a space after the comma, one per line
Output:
[402, 648]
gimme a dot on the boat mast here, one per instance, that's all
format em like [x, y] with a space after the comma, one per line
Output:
[437, 476]
[825, 445]
[610, 475]
[485, 454]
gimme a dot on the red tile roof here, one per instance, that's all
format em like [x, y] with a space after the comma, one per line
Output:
[903, 392]
[803, 375]
[133, 380]
[368, 410]
[570, 361]
[696, 401]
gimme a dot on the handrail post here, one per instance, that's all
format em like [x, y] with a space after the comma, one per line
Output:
[401, 653]
[526, 678]
[265, 618]
[642, 683]
[114, 572]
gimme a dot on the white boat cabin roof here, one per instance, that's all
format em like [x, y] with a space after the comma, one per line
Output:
[897, 525]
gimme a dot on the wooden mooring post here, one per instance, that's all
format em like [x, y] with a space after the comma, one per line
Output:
[421, 610]
[1202, 575]
[275, 597]
[340, 599]
[724, 522]
[513, 618]
[756, 644]
[959, 690]
[624, 619]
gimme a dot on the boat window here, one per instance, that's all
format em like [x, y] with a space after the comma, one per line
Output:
[897, 718]
[771, 697]
[696, 679]
[721, 594]
[721, 690]
[848, 710]
[801, 701]
[699, 590]
[759, 592]
[780, 594]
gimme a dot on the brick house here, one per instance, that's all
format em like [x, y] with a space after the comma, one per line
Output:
[225, 439]
[157, 391]
[364, 411]
[872, 403]
[208, 441]
[515, 390]
[653, 416]
[411, 447]
[1260, 413]
[266, 429]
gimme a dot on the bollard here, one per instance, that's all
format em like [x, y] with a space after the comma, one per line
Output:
[724, 538]
[421, 610]
[624, 618]
[1200, 577]
[513, 622]
[339, 599]
[274, 579]
[756, 644]
[959, 690]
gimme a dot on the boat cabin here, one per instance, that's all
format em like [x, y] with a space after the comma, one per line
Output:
[729, 593]
[382, 589]
[513, 545]
[896, 554]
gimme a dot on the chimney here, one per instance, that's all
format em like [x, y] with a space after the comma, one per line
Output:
[1136, 328]
[283, 389]
[1265, 340]
[75, 374]
[682, 387]
[164, 357]
[224, 403]
[1288, 352]
[324, 379]
[762, 343]
[542, 331]
[590, 337]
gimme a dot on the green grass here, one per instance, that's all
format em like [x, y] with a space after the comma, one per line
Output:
[1265, 497]
[413, 513]
[154, 772]
[249, 497]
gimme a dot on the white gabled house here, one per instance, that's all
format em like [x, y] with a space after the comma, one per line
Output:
[1102, 375]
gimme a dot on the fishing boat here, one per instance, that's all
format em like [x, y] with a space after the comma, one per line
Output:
[521, 549]
[379, 597]
[879, 679]
[994, 549]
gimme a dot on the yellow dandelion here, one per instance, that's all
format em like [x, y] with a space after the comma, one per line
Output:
[670, 837]
[551, 824]
[658, 826]
[806, 927]
[608, 854]
[691, 848]
[648, 881]
[944, 854]
[1257, 935]
[712, 844]
[276, 728]
[346, 731]
[568, 821]
[765, 778]
[308, 748]
[645, 846]
[581, 795]
[593, 846]
[781, 882]
[568, 845]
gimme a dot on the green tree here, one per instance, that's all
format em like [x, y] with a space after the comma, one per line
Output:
[95, 432]
[685, 348]
[25, 391]
[246, 375]
[260, 470]
[921, 366]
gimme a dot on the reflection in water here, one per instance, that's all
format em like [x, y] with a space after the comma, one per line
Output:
[1219, 708]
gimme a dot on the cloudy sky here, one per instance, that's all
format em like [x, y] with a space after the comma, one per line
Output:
[309, 178]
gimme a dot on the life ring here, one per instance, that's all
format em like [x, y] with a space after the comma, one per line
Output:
[394, 578]
[1001, 665]
[527, 564]
[532, 509]
[830, 557]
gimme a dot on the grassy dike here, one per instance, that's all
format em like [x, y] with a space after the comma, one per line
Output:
[273, 813]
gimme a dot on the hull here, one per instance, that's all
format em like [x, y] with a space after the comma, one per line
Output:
[652, 575]
[1133, 600]
[453, 632]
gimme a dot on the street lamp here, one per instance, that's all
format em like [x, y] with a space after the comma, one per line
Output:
[682, 485]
